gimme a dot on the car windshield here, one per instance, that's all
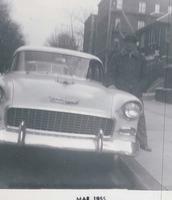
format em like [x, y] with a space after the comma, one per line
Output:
[51, 63]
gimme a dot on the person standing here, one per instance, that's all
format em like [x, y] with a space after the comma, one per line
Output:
[127, 73]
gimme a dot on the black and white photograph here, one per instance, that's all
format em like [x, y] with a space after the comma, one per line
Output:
[86, 96]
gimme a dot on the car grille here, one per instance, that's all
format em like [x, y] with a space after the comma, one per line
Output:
[59, 121]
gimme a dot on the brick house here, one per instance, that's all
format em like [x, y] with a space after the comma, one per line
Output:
[126, 17]
[156, 38]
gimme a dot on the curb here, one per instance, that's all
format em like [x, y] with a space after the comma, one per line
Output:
[143, 180]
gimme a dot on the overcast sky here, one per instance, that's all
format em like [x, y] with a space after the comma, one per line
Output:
[38, 18]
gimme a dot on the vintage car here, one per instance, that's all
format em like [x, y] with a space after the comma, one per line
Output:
[56, 98]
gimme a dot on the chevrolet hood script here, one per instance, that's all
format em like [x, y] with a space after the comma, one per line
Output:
[64, 100]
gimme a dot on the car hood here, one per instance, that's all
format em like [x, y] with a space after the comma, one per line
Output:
[61, 94]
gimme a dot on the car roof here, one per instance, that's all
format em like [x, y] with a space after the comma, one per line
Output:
[58, 50]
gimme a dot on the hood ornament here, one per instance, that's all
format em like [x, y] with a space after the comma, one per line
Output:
[65, 81]
[64, 100]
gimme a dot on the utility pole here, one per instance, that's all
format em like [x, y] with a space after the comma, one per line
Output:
[71, 24]
[108, 36]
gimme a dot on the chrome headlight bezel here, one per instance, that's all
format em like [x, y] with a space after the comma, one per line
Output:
[132, 110]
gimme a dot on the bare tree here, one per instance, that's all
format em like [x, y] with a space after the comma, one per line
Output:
[73, 35]
[10, 36]
[79, 20]
[62, 40]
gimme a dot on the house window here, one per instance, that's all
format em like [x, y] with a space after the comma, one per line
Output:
[117, 22]
[157, 8]
[141, 24]
[142, 7]
[119, 4]
[170, 9]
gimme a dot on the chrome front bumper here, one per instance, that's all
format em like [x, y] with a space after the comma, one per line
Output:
[72, 142]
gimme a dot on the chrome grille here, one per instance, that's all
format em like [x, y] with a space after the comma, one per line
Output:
[59, 121]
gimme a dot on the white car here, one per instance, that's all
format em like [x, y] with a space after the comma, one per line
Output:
[55, 98]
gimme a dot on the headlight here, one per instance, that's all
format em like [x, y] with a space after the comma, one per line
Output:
[132, 110]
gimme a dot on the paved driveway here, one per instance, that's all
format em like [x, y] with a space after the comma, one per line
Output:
[159, 125]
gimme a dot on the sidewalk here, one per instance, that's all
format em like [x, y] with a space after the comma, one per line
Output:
[159, 126]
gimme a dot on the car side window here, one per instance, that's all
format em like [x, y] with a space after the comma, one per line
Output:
[95, 71]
